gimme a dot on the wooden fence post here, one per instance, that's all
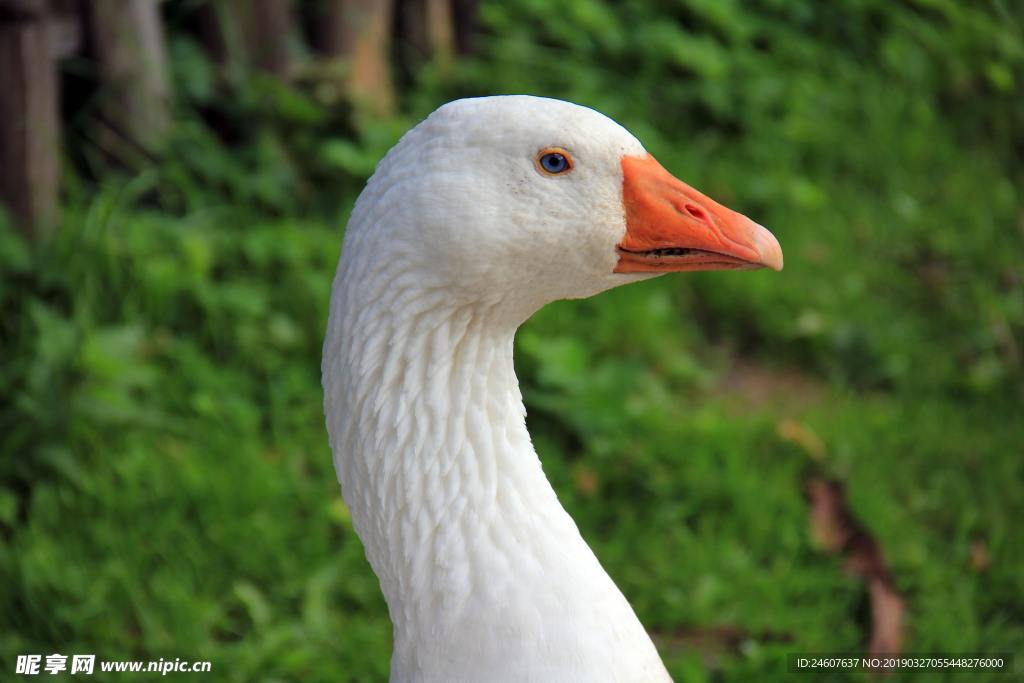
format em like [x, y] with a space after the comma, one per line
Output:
[240, 34]
[427, 29]
[359, 32]
[29, 118]
[268, 30]
[132, 56]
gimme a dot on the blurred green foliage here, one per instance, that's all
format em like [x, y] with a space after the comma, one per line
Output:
[166, 487]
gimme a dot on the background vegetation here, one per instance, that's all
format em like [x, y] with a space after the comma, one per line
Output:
[165, 484]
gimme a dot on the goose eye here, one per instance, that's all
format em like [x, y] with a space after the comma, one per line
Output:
[554, 161]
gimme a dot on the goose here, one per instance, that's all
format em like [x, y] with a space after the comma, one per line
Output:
[481, 214]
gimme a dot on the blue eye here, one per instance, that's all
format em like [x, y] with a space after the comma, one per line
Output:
[554, 162]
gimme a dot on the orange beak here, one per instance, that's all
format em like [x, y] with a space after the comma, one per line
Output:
[672, 227]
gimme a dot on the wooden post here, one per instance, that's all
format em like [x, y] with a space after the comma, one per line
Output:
[427, 30]
[464, 14]
[249, 33]
[132, 57]
[268, 30]
[29, 119]
[359, 32]
[441, 32]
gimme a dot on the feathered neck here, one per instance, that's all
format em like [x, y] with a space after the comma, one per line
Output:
[485, 575]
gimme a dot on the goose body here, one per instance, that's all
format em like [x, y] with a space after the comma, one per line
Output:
[480, 215]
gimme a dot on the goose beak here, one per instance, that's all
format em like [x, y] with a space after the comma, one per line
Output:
[672, 227]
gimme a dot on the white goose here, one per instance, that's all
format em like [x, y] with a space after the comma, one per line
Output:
[480, 215]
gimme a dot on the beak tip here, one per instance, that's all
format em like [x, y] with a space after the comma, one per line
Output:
[768, 248]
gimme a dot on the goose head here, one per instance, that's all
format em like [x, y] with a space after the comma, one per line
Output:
[523, 200]
[480, 215]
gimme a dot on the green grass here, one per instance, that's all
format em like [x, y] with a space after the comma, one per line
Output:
[165, 482]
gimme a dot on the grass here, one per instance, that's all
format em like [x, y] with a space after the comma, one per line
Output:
[166, 487]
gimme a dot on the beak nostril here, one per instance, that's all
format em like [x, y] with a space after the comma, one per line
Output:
[696, 212]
